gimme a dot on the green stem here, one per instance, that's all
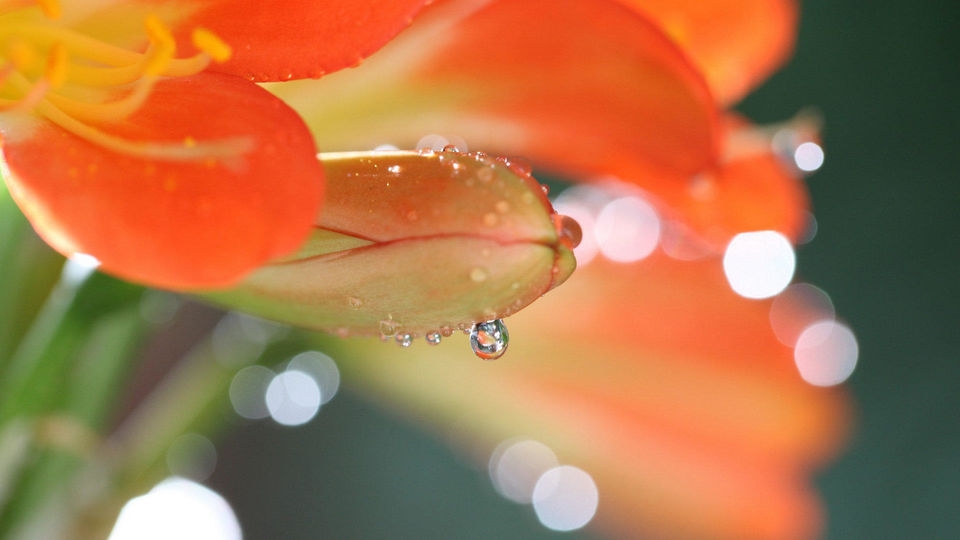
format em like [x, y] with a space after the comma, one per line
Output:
[62, 381]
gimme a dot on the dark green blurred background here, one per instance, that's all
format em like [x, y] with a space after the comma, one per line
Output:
[886, 76]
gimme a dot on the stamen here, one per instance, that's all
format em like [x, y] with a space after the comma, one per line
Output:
[112, 111]
[79, 45]
[211, 44]
[229, 149]
[77, 87]
[57, 62]
[162, 49]
[20, 54]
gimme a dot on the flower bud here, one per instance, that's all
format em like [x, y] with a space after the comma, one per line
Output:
[413, 243]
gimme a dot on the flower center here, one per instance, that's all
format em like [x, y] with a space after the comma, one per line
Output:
[79, 82]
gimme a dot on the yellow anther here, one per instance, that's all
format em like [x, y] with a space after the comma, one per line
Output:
[162, 46]
[211, 44]
[160, 36]
[50, 8]
[21, 54]
[57, 62]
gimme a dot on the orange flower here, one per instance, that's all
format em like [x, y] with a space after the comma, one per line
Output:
[670, 390]
[131, 130]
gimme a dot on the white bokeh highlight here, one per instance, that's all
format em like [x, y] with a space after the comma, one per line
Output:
[627, 229]
[516, 465]
[826, 353]
[293, 398]
[177, 509]
[759, 264]
[808, 156]
[322, 368]
[247, 390]
[565, 498]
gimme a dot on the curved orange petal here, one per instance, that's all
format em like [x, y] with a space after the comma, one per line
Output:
[587, 88]
[657, 380]
[736, 44]
[247, 194]
[583, 86]
[748, 193]
[293, 39]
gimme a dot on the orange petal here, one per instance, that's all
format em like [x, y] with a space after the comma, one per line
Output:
[181, 222]
[736, 44]
[749, 193]
[410, 243]
[656, 379]
[588, 88]
[292, 39]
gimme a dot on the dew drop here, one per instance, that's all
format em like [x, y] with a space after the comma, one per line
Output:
[518, 166]
[403, 340]
[388, 328]
[395, 169]
[568, 230]
[502, 207]
[486, 174]
[489, 339]
[446, 331]
[451, 148]
[433, 338]
[478, 275]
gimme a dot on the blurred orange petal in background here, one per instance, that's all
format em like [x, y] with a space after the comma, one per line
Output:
[685, 402]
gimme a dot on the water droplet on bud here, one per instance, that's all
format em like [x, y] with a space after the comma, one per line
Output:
[388, 328]
[518, 166]
[486, 174]
[433, 338]
[478, 275]
[568, 230]
[404, 340]
[489, 339]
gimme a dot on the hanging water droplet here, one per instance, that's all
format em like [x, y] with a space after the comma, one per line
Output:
[489, 339]
[568, 230]
[433, 338]
[451, 148]
[403, 340]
